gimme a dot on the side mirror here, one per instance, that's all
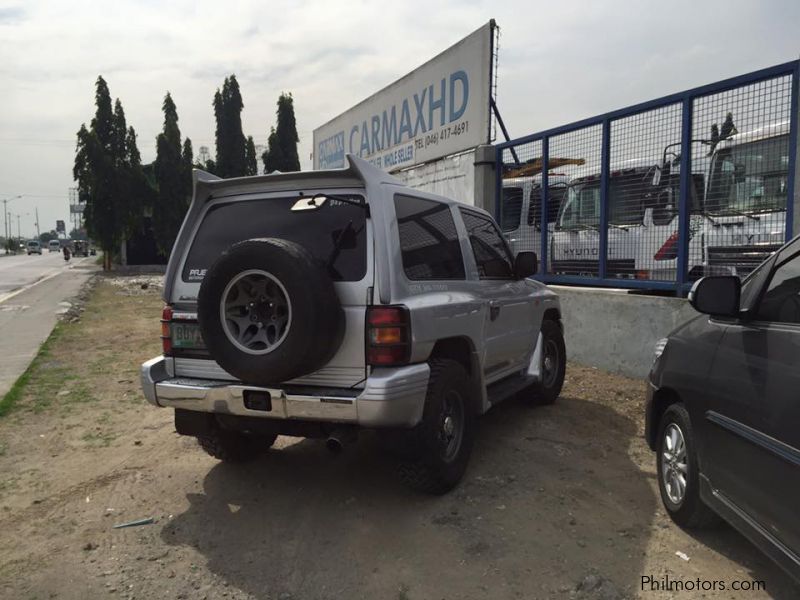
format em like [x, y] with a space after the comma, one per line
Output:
[717, 296]
[526, 264]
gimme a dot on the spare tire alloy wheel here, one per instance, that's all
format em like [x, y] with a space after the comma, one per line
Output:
[255, 312]
[269, 312]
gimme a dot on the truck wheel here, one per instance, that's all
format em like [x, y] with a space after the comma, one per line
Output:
[441, 444]
[678, 473]
[554, 365]
[234, 447]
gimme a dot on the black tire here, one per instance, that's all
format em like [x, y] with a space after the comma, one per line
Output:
[548, 389]
[433, 466]
[316, 325]
[690, 511]
[235, 447]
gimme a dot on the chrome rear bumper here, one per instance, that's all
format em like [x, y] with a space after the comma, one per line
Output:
[392, 397]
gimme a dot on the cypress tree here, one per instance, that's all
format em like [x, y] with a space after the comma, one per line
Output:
[281, 154]
[231, 145]
[108, 172]
[173, 179]
[250, 157]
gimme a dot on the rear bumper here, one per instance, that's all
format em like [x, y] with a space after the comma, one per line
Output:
[391, 397]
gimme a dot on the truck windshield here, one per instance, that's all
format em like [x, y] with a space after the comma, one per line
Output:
[335, 234]
[749, 178]
[626, 200]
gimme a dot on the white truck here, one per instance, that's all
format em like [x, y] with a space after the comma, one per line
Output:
[520, 214]
[741, 219]
[575, 242]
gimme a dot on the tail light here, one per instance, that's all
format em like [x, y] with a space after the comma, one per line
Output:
[669, 251]
[166, 334]
[388, 336]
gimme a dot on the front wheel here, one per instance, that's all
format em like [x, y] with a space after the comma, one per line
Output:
[678, 473]
[440, 446]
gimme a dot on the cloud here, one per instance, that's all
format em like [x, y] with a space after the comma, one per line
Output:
[558, 62]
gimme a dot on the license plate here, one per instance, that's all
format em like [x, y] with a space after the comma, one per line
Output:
[186, 335]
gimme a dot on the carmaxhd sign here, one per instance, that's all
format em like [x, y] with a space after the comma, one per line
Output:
[441, 108]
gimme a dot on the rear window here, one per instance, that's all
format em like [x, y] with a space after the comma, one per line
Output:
[428, 239]
[317, 231]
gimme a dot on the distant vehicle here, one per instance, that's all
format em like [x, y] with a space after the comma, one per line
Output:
[741, 219]
[34, 247]
[520, 215]
[54, 246]
[722, 413]
[575, 243]
[80, 248]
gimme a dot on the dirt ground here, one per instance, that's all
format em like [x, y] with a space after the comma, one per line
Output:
[558, 502]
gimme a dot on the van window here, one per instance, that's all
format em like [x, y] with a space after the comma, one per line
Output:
[316, 230]
[428, 239]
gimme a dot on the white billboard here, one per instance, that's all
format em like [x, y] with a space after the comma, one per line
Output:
[438, 109]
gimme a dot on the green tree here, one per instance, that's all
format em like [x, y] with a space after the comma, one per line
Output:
[231, 144]
[173, 171]
[281, 154]
[109, 174]
[250, 157]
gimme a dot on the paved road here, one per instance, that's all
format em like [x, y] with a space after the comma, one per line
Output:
[32, 289]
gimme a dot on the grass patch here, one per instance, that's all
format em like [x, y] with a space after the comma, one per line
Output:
[13, 395]
[93, 362]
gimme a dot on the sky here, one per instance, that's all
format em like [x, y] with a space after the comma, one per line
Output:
[559, 62]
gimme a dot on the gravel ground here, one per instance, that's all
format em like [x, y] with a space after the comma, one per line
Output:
[558, 502]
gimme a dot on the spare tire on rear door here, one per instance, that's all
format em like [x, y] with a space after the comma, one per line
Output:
[268, 312]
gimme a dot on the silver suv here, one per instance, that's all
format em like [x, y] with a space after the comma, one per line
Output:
[316, 304]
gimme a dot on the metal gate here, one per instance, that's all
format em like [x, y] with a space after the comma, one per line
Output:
[658, 194]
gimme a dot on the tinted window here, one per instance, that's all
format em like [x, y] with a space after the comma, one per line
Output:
[781, 301]
[512, 208]
[335, 234]
[490, 250]
[428, 239]
[554, 199]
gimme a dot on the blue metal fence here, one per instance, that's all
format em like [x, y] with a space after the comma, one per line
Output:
[658, 194]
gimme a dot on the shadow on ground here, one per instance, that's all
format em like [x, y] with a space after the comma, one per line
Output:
[551, 495]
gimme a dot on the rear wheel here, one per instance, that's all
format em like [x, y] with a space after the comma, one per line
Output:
[440, 446]
[234, 447]
[678, 473]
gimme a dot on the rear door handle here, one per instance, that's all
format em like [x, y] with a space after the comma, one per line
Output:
[494, 310]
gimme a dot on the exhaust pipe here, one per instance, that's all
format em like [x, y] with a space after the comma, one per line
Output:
[339, 438]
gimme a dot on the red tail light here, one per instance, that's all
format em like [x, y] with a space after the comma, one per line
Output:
[669, 251]
[388, 336]
[166, 335]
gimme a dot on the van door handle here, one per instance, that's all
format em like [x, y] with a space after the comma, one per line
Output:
[494, 310]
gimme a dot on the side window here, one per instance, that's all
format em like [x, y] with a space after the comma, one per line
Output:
[512, 208]
[489, 248]
[428, 239]
[781, 301]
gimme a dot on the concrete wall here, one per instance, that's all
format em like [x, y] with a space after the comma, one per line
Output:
[617, 331]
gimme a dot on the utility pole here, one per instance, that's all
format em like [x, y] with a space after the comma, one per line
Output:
[7, 229]
[19, 236]
[38, 233]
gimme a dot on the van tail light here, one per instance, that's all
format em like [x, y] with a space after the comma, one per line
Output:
[388, 336]
[166, 334]
[669, 251]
